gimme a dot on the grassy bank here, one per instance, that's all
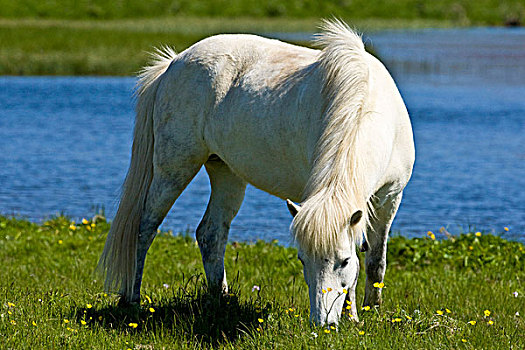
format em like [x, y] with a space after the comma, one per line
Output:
[119, 47]
[435, 296]
[67, 37]
[462, 11]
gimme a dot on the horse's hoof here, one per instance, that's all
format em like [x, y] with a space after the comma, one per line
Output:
[123, 303]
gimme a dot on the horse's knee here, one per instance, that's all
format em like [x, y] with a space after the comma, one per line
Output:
[375, 265]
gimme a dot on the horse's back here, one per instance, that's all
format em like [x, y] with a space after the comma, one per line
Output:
[265, 94]
[258, 104]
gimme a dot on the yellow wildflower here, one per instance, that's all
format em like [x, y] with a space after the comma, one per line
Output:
[152, 310]
[72, 227]
[431, 235]
[408, 317]
[93, 224]
[60, 241]
[506, 228]
[470, 247]
[472, 322]
[439, 312]
[13, 322]
[397, 319]
[33, 323]
[296, 315]
[148, 299]
[89, 306]
[487, 313]
[82, 322]
[133, 325]
[333, 328]
[349, 302]
[361, 332]
[491, 323]
[463, 340]
[66, 320]
[324, 291]
[260, 320]
[327, 331]
[366, 308]
[478, 234]
[85, 222]
[348, 307]
[345, 291]
[88, 228]
[10, 304]
[9, 312]
[329, 289]
[448, 311]
[379, 285]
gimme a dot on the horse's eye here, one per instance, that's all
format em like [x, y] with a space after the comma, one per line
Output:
[345, 262]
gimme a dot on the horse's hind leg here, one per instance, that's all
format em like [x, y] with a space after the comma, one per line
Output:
[227, 194]
[377, 241]
[165, 188]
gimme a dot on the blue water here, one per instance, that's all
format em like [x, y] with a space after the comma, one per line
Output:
[65, 141]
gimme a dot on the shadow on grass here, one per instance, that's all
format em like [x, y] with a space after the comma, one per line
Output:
[212, 318]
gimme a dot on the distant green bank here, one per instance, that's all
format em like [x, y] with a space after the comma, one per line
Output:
[96, 37]
[492, 12]
[463, 292]
[35, 46]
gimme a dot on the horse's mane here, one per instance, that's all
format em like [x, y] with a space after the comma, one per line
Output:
[337, 184]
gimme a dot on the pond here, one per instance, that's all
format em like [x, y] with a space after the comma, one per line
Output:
[65, 141]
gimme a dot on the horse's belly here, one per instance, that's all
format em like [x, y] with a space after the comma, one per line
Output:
[274, 172]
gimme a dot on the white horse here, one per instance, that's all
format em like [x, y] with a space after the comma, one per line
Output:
[327, 128]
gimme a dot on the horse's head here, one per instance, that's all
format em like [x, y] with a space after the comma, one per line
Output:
[332, 278]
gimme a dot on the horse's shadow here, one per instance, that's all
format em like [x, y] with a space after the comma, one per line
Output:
[210, 317]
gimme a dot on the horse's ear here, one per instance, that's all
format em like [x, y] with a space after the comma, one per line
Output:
[356, 217]
[292, 207]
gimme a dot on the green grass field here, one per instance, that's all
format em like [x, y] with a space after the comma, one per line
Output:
[465, 11]
[120, 47]
[459, 292]
[67, 37]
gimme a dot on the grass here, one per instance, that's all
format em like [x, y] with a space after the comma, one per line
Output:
[478, 12]
[120, 47]
[67, 37]
[50, 298]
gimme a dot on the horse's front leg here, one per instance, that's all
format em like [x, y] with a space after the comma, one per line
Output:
[377, 236]
[227, 194]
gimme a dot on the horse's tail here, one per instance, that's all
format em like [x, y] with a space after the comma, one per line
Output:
[337, 185]
[118, 259]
